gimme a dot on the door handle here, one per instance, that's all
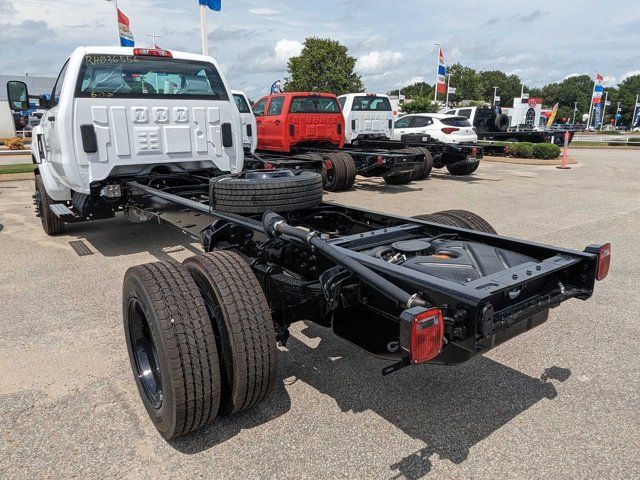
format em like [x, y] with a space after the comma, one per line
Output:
[51, 118]
[258, 122]
[277, 122]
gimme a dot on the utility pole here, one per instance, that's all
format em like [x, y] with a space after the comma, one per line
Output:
[446, 102]
[616, 116]
[575, 112]
[495, 94]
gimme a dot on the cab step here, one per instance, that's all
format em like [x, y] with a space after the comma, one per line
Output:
[63, 212]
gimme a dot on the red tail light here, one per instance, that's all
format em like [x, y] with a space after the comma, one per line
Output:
[421, 332]
[328, 165]
[474, 151]
[449, 130]
[152, 52]
[604, 259]
[269, 166]
[379, 160]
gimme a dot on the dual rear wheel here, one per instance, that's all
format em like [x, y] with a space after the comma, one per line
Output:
[200, 337]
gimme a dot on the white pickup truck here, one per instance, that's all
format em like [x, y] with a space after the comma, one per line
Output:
[248, 121]
[366, 116]
[124, 112]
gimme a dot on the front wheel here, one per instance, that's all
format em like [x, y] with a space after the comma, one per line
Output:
[51, 224]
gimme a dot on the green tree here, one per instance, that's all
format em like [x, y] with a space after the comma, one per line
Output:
[508, 86]
[419, 89]
[324, 65]
[419, 105]
[626, 95]
[466, 82]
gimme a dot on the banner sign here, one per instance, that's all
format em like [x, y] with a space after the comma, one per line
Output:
[596, 114]
[636, 117]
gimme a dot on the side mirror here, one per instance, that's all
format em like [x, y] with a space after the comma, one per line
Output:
[18, 96]
[43, 102]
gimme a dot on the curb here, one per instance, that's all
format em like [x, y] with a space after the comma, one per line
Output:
[528, 161]
[11, 153]
[11, 177]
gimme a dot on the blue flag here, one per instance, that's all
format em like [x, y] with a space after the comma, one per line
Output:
[212, 4]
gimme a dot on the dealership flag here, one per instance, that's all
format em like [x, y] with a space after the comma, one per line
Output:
[636, 114]
[126, 37]
[212, 4]
[552, 117]
[441, 78]
[597, 89]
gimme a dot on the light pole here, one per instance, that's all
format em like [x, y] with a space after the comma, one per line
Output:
[446, 102]
[495, 95]
[154, 38]
[616, 116]
[575, 112]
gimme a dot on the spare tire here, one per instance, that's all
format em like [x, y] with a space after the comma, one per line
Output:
[458, 218]
[502, 122]
[272, 190]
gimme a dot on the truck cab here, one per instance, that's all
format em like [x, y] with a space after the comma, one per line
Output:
[298, 119]
[125, 111]
[248, 122]
[367, 116]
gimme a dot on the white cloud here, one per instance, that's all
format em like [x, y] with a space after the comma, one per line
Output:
[631, 73]
[282, 51]
[263, 11]
[379, 62]
[609, 81]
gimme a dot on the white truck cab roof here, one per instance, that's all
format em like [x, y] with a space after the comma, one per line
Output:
[366, 115]
[122, 111]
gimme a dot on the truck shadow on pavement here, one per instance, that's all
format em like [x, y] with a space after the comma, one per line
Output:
[116, 237]
[450, 409]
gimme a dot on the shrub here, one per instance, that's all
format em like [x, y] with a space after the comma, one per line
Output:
[546, 150]
[633, 139]
[520, 150]
[14, 143]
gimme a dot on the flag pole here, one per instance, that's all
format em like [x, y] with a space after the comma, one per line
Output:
[435, 87]
[115, 2]
[604, 109]
[203, 29]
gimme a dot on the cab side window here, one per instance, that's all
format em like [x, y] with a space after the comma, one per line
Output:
[57, 88]
[275, 106]
[258, 108]
[342, 101]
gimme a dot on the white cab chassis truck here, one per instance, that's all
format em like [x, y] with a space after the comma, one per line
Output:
[366, 116]
[248, 122]
[119, 113]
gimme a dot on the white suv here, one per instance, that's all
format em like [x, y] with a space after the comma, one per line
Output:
[441, 127]
[366, 115]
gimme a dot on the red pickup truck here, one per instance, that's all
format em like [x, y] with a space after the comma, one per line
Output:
[311, 126]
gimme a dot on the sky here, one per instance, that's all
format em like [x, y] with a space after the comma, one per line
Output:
[394, 42]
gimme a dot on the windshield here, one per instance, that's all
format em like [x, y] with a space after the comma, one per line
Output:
[371, 103]
[126, 76]
[456, 122]
[314, 105]
[241, 103]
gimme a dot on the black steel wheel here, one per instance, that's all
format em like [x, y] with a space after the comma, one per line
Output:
[463, 168]
[399, 179]
[51, 224]
[423, 170]
[336, 172]
[242, 324]
[172, 348]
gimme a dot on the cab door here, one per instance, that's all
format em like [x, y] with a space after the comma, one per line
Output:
[259, 110]
[274, 124]
[50, 125]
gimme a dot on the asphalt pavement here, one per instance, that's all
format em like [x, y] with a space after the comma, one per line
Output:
[561, 401]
